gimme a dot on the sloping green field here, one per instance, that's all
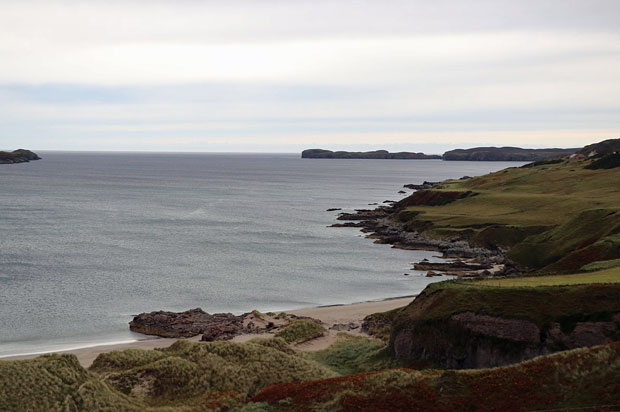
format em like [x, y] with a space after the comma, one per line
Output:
[601, 276]
[553, 217]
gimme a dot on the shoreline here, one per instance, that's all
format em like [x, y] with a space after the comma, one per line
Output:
[329, 314]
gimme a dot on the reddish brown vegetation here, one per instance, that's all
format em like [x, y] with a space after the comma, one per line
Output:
[573, 379]
[431, 198]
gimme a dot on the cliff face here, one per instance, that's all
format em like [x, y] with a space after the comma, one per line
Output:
[452, 328]
[18, 156]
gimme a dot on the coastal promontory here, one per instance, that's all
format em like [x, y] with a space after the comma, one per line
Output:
[18, 156]
[505, 154]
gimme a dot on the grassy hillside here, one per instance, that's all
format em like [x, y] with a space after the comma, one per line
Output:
[540, 305]
[554, 217]
[585, 379]
[610, 275]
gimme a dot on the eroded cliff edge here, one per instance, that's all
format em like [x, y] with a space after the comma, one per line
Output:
[463, 325]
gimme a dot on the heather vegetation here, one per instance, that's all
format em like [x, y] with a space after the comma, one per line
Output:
[581, 379]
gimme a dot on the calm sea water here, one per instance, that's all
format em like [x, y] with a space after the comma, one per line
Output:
[90, 239]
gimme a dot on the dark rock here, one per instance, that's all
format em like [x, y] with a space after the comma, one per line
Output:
[18, 156]
[332, 209]
[402, 192]
[424, 185]
[363, 214]
[219, 326]
[457, 266]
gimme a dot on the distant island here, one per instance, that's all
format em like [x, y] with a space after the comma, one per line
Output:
[515, 154]
[18, 156]
[510, 154]
[376, 154]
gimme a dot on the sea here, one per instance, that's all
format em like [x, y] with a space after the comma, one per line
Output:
[89, 239]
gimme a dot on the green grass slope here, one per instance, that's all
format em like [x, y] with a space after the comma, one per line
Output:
[554, 217]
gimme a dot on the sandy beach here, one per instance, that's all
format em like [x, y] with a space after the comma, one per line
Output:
[330, 315]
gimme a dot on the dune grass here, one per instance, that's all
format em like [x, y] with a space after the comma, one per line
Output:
[301, 330]
[53, 383]
[354, 354]
[197, 373]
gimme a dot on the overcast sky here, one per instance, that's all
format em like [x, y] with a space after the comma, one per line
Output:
[281, 76]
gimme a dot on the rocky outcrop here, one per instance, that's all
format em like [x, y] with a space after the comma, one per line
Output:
[442, 329]
[424, 185]
[18, 156]
[219, 326]
[605, 147]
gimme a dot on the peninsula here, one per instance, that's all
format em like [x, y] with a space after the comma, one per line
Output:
[18, 156]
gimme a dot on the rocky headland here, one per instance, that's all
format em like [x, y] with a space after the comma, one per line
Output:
[465, 326]
[18, 156]
[505, 154]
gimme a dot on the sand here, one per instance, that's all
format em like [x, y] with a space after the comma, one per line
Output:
[330, 315]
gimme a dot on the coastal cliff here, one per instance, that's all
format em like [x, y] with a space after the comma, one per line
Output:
[18, 156]
[468, 326]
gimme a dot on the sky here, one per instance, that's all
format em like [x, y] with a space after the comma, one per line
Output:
[282, 76]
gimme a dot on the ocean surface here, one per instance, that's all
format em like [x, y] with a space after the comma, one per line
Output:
[89, 239]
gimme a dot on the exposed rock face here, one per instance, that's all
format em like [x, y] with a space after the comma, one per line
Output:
[219, 326]
[18, 156]
[601, 148]
[424, 185]
[468, 340]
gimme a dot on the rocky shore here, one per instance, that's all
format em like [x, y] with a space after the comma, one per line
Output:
[212, 327]
[382, 225]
